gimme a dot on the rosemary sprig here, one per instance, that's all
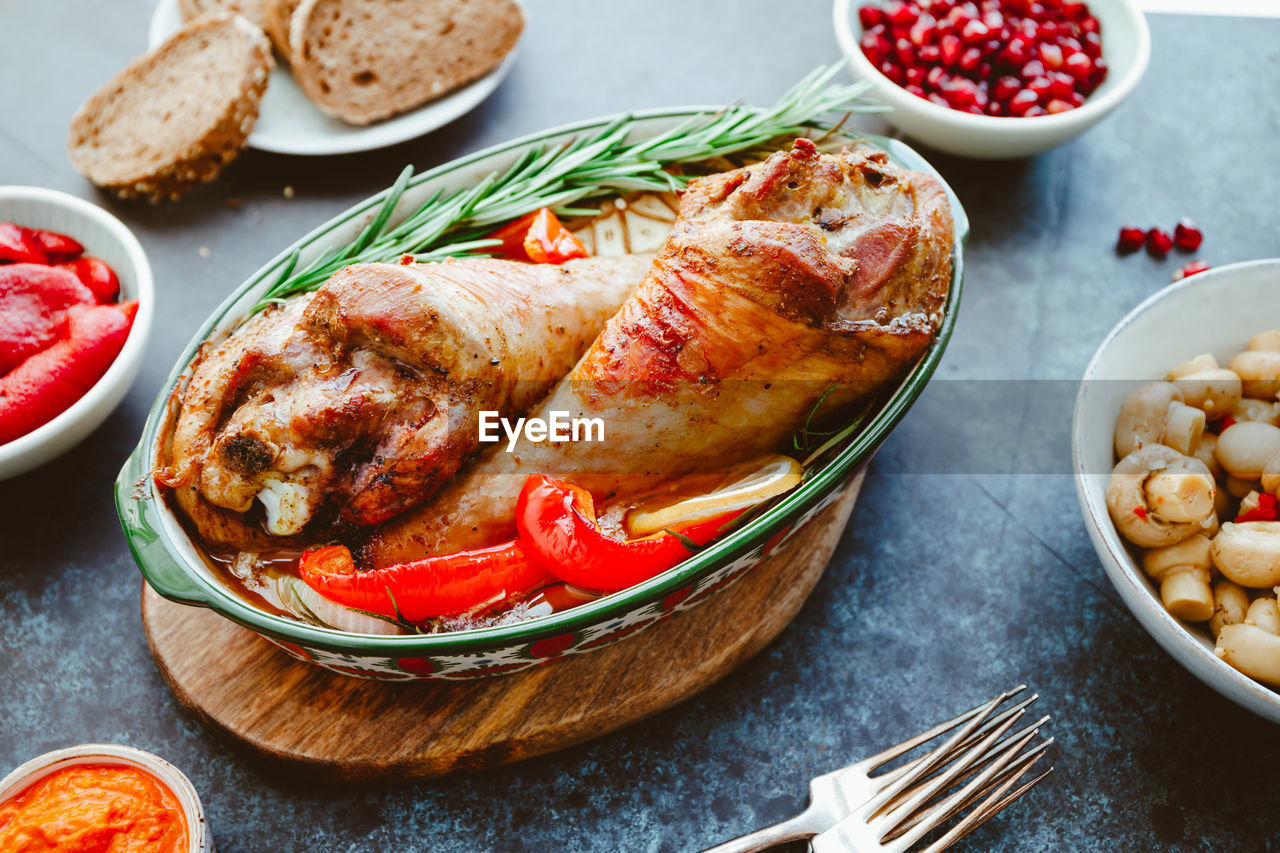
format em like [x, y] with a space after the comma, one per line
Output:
[557, 176]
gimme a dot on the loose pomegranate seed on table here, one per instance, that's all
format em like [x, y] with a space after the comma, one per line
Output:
[997, 57]
[1158, 242]
[1190, 268]
[1187, 236]
[1130, 239]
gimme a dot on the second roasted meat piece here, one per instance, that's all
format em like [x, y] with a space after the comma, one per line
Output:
[363, 397]
[779, 282]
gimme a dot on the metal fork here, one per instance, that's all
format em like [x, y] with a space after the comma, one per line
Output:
[851, 809]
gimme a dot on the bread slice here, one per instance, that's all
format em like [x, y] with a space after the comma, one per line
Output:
[364, 60]
[251, 9]
[276, 15]
[175, 116]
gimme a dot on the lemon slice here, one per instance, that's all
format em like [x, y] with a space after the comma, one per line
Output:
[742, 485]
[625, 226]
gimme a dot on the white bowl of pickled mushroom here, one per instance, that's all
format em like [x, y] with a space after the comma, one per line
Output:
[1176, 452]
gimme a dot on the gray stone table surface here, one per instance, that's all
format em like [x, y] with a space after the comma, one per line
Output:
[966, 567]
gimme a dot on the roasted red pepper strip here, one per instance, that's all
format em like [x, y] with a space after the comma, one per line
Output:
[20, 244]
[47, 383]
[538, 237]
[1268, 509]
[95, 275]
[424, 589]
[556, 522]
[33, 309]
[58, 247]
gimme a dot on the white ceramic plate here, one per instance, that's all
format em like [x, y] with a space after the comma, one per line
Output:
[288, 123]
[1214, 312]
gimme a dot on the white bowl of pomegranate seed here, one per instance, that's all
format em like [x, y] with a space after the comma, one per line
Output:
[994, 79]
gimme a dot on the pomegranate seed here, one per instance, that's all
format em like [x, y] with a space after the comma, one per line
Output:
[1023, 101]
[970, 59]
[1158, 242]
[1035, 111]
[1076, 99]
[950, 46]
[936, 78]
[1057, 106]
[1042, 86]
[975, 31]
[1191, 268]
[869, 16]
[924, 31]
[928, 54]
[1017, 53]
[1187, 236]
[1130, 240]
[1092, 45]
[902, 14]
[1075, 11]
[1090, 25]
[918, 91]
[1051, 56]
[993, 19]
[914, 76]
[905, 52]
[934, 97]
[1079, 65]
[1006, 88]
[1069, 45]
[1033, 69]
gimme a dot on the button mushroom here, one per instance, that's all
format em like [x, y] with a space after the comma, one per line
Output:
[1271, 475]
[1249, 409]
[1251, 650]
[1183, 428]
[1249, 553]
[1183, 572]
[1259, 371]
[1264, 613]
[1142, 417]
[1216, 391]
[1230, 604]
[1204, 361]
[1244, 449]
[1157, 496]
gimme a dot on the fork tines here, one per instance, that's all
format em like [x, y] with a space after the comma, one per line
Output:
[981, 767]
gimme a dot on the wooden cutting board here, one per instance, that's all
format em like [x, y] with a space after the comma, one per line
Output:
[336, 728]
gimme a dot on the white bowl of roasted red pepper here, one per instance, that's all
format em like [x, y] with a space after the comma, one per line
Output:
[994, 79]
[75, 313]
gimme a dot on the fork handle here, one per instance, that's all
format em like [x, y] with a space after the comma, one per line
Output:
[791, 829]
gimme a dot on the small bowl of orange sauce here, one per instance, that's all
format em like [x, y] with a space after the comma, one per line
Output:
[101, 797]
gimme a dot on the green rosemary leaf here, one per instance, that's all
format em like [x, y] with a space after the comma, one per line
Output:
[560, 175]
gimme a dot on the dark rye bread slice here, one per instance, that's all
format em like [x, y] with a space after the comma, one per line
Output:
[175, 116]
[276, 18]
[251, 9]
[364, 60]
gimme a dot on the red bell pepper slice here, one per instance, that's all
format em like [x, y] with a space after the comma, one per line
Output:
[95, 274]
[538, 237]
[448, 585]
[33, 309]
[49, 382]
[19, 244]
[1268, 509]
[557, 525]
[58, 247]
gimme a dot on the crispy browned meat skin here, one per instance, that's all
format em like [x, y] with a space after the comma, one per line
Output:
[778, 281]
[365, 395]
